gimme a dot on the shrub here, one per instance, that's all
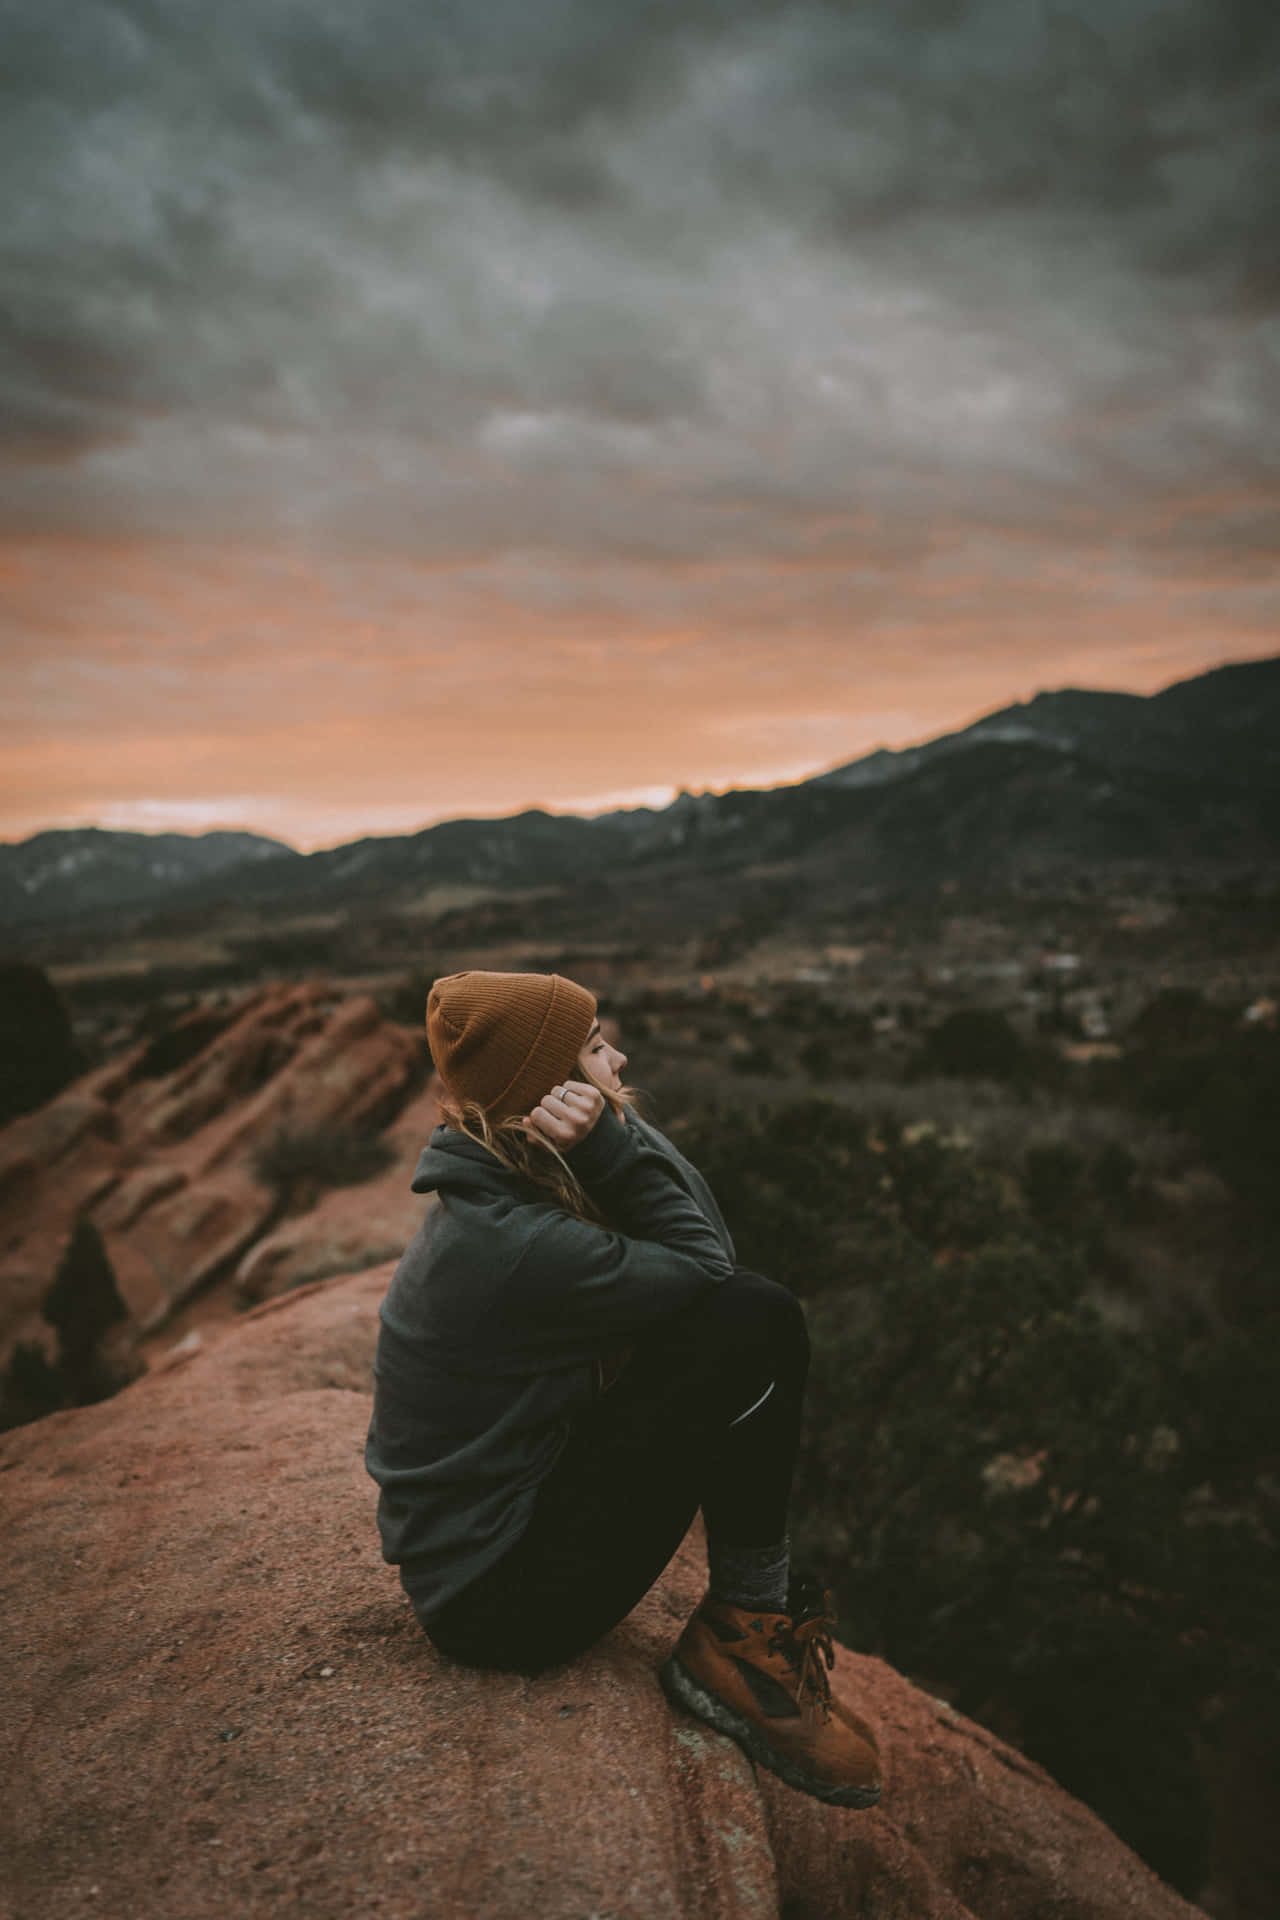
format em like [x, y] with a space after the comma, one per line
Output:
[815, 1057]
[1189, 1063]
[975, 1042]
[1061, 1521]
[1030, 1508]
[81, 1304]
[320, 1157]
[805, 1184]
[753, 1060]
[36, 1042]
[1113, 1172]
[180, 1041]
[1054, 1183]
[83, 1300]
[406, 1000]
[30, 1386]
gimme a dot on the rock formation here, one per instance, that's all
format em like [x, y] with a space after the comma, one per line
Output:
[161, 1151]
[216, 1701]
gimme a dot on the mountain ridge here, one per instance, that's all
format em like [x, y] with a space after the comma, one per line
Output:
[1151, 725]
[1184, 784]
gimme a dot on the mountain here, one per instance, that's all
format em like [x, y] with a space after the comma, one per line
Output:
[1003, 815]
[1224, 725]
[57, 874]
[60, 876]
[1177, 788]
[1180, 786]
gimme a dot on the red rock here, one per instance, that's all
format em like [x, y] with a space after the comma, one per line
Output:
[346, 1075]
[52, 1130]
[36, 1218]
[165, 1164]
[350, 1227]
[18, 1169]
[131, 1196]
[217, 1701]
[193, 1237]
[233, 1069]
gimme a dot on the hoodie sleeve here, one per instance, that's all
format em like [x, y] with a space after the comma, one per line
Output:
[659, 1255]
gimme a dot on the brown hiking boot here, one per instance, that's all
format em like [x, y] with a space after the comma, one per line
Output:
[762, 1679]
[807, 1597]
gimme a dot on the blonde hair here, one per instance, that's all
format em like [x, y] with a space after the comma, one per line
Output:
[536, 1161]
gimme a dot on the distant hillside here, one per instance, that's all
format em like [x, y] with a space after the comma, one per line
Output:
[1224, 725]
[1179, 788]
[58, 875]
[1002, 816]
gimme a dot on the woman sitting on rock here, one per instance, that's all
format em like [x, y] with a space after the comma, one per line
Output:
[569, 1365]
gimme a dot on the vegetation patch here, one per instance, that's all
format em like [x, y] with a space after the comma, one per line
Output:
[1062, 1520]
[303, 1162]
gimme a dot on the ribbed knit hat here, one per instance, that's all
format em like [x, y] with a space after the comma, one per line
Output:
[504, 1039]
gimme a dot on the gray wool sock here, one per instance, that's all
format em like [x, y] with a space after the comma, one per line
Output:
[754, 1578]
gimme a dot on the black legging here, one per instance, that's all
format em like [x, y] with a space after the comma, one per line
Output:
[667, 1438]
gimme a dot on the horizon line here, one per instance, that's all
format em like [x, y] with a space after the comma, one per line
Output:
[637, 806]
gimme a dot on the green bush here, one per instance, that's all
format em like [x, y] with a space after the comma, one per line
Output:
[1055, 1184]
[1114, 1169]
[82, 1303]
[321, 1157]
[406, 1000]
[754, 1059]
[30, 1386]
[36, 1042]
[815, 1057]
[1062, 1523]
[803, 1183]
[1197, 1068]
[83, 1300]
[975, 1042]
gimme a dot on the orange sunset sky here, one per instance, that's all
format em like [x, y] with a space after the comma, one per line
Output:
[416, 412]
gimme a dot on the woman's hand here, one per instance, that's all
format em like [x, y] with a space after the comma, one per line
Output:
[566, 1115]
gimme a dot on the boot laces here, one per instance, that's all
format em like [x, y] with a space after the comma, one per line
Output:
[804, 1640]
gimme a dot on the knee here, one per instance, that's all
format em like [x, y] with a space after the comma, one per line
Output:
[766, 1316]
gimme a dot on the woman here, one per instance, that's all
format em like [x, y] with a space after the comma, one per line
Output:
[569, 1365]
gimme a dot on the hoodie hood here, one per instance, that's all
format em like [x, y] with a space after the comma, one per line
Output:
[453, 1163]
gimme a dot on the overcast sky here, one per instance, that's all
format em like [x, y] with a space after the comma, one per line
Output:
[419, 409]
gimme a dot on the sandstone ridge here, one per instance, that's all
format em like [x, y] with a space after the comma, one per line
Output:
[218, 1702]
[161, 1150]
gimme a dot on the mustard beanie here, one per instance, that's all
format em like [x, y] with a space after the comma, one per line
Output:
[503, 1040]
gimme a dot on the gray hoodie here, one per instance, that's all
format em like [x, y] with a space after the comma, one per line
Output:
[493, 1326]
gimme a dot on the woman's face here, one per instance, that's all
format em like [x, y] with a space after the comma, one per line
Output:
[602, 1062]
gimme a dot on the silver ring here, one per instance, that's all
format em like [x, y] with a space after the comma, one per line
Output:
[565, 1095]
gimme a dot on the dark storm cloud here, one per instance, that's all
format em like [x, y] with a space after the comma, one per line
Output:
[638, 279]
[848, 118]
